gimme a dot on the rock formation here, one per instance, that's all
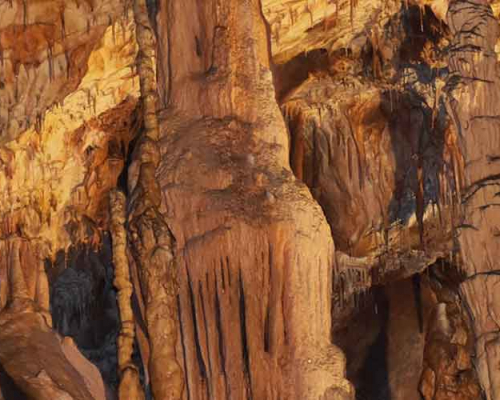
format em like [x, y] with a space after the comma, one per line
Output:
[259, 199]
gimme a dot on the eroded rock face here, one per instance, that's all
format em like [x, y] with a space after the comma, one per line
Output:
[278, 159]
[59, 158]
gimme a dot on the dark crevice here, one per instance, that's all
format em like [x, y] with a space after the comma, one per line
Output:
[228, 271]
[83, 303]
[418, 301]
[285, 333]
[199, 356]
[220, 334]
[207, 339]
[486, 206]
[244, 338]
[222, 274]
[183, 344]
[126, 151]
[467, 226]
[267, 333]
[8, 388]
[485, 273]
[478, 185]
[267, 328]
[374, 374]
[271, 261]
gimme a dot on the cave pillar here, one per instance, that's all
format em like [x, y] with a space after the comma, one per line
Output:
[130, 387]
[153, 247]
[255, 253]
[473, 90]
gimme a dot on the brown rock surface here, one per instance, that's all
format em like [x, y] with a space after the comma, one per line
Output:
[447, 371]
[473, 90]
[289, 169]
[254, 253]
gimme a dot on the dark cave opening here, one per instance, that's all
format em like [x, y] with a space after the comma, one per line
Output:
[373, 378]
[84, 307]
[83, 304]
[383, 343]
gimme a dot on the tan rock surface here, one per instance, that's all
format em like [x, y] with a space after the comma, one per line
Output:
[252, 231]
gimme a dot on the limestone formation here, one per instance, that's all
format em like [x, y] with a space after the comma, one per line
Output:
[129, 383]
[473, 88]
[152, 242]
[259, 199]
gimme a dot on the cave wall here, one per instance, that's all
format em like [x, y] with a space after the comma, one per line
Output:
[472, 102]
[274, 161]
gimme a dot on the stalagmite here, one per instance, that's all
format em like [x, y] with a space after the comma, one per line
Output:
[130, 387]
[42, 295]
[18, 289]
[231, 157]
[152, 240]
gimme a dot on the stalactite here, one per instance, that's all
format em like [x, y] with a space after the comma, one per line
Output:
[123, 28]
[18, 290]
[421, 9]
[113, 29]
[67, 58]
[310, 12]
[155, 258]
[419, 198]
[130, 387]
[89, 98]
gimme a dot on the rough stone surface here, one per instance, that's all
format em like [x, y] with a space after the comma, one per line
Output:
[296, 175]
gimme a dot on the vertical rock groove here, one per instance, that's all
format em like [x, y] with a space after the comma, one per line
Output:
[152, 241]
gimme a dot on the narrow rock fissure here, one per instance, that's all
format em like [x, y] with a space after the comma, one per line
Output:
[183, 345]
[244, 338]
